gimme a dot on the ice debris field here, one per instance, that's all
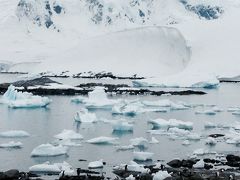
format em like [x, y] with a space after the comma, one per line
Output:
[136, 126]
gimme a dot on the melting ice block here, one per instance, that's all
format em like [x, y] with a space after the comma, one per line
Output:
[14, 134]
[55, 168]
[165, 124]
[103, 140]
[49, 150]
[141, 142]
[122, 125]
[17, 99]
[11, 144]
[96, 164]
[84, 116]
[69, 134]
[161, 175]
[142, 156]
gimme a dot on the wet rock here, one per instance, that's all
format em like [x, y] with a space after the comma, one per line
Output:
[232, 158]
[10, 174]
[176, 163]
[188, 163]
[208, 166]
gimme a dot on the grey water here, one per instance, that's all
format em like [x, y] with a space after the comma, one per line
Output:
[44, 123]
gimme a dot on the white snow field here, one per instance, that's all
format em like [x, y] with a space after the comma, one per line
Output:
[149, 38]
[17, 99]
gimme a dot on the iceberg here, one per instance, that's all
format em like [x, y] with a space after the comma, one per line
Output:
[154, 141]
[14, 134]
[142, 156]
[17, 99]
[140, 142]
[11, 144]
[84, 116]
[55, 168]
[165, 124]
[69, 134]
[179, 80]
[97, 99]
[102, 140]
[96, 164]
[49, 150]
[210, 141]
[161, 175]
[122, 125]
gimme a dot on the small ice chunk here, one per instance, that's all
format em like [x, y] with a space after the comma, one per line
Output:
[69, 142]
[49, 150]
[201, 152]
[217, 109]
[96, 164]
[133, 166]
[11, 144]
[14, 134]
[69, 134]
[233, 109]
[209, 125]
[210, 141]
[186, 142]
[161, 175]
[103, 140]
[140, 142]
[199, 164]
[130, 177]
[122, 125]
[142, 156]
[236, 113]
[84, 116]
[125, 148]
[79, 99]
[154, 141]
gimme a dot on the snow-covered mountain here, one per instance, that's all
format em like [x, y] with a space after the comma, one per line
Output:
[147, 37]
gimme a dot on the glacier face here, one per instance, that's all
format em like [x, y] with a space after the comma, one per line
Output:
[46, 32]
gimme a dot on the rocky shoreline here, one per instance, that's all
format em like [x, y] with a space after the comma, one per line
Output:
[40, 86]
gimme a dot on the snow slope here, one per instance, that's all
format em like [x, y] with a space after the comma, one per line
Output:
[121, 36]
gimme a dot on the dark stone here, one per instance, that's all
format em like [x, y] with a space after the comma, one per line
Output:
[12, 174]
[188, 163]
[208, 160]
[57, 9]
[232, 158]
[176, 163]
[208, 166]
[216, 135]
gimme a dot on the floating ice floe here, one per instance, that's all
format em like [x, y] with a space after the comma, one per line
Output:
[233, 109]
[128, 108]
[103, 140]
[122, 125]
[207, 112]
[161, 175]
[84, 116]
[49, 150]
[210, 141]
[140, 142]
[69, 134]
[165, 124]
[202, 80]
[154, 141]
[18, 99]
[14, 134]
[125, 148]
[79, 99]
[96, 164]
[233, 137]
[11, 144]
[201, 152]
[176, 133]
[142, 156]
[69, 142]
[210, 125]
[236, 113]
[55, 168]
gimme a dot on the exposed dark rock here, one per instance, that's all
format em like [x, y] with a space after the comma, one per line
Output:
[216, 135]
[176, 163]
[232, 158]
[12, 174]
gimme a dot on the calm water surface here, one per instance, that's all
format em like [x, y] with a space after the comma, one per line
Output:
[44, 123]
